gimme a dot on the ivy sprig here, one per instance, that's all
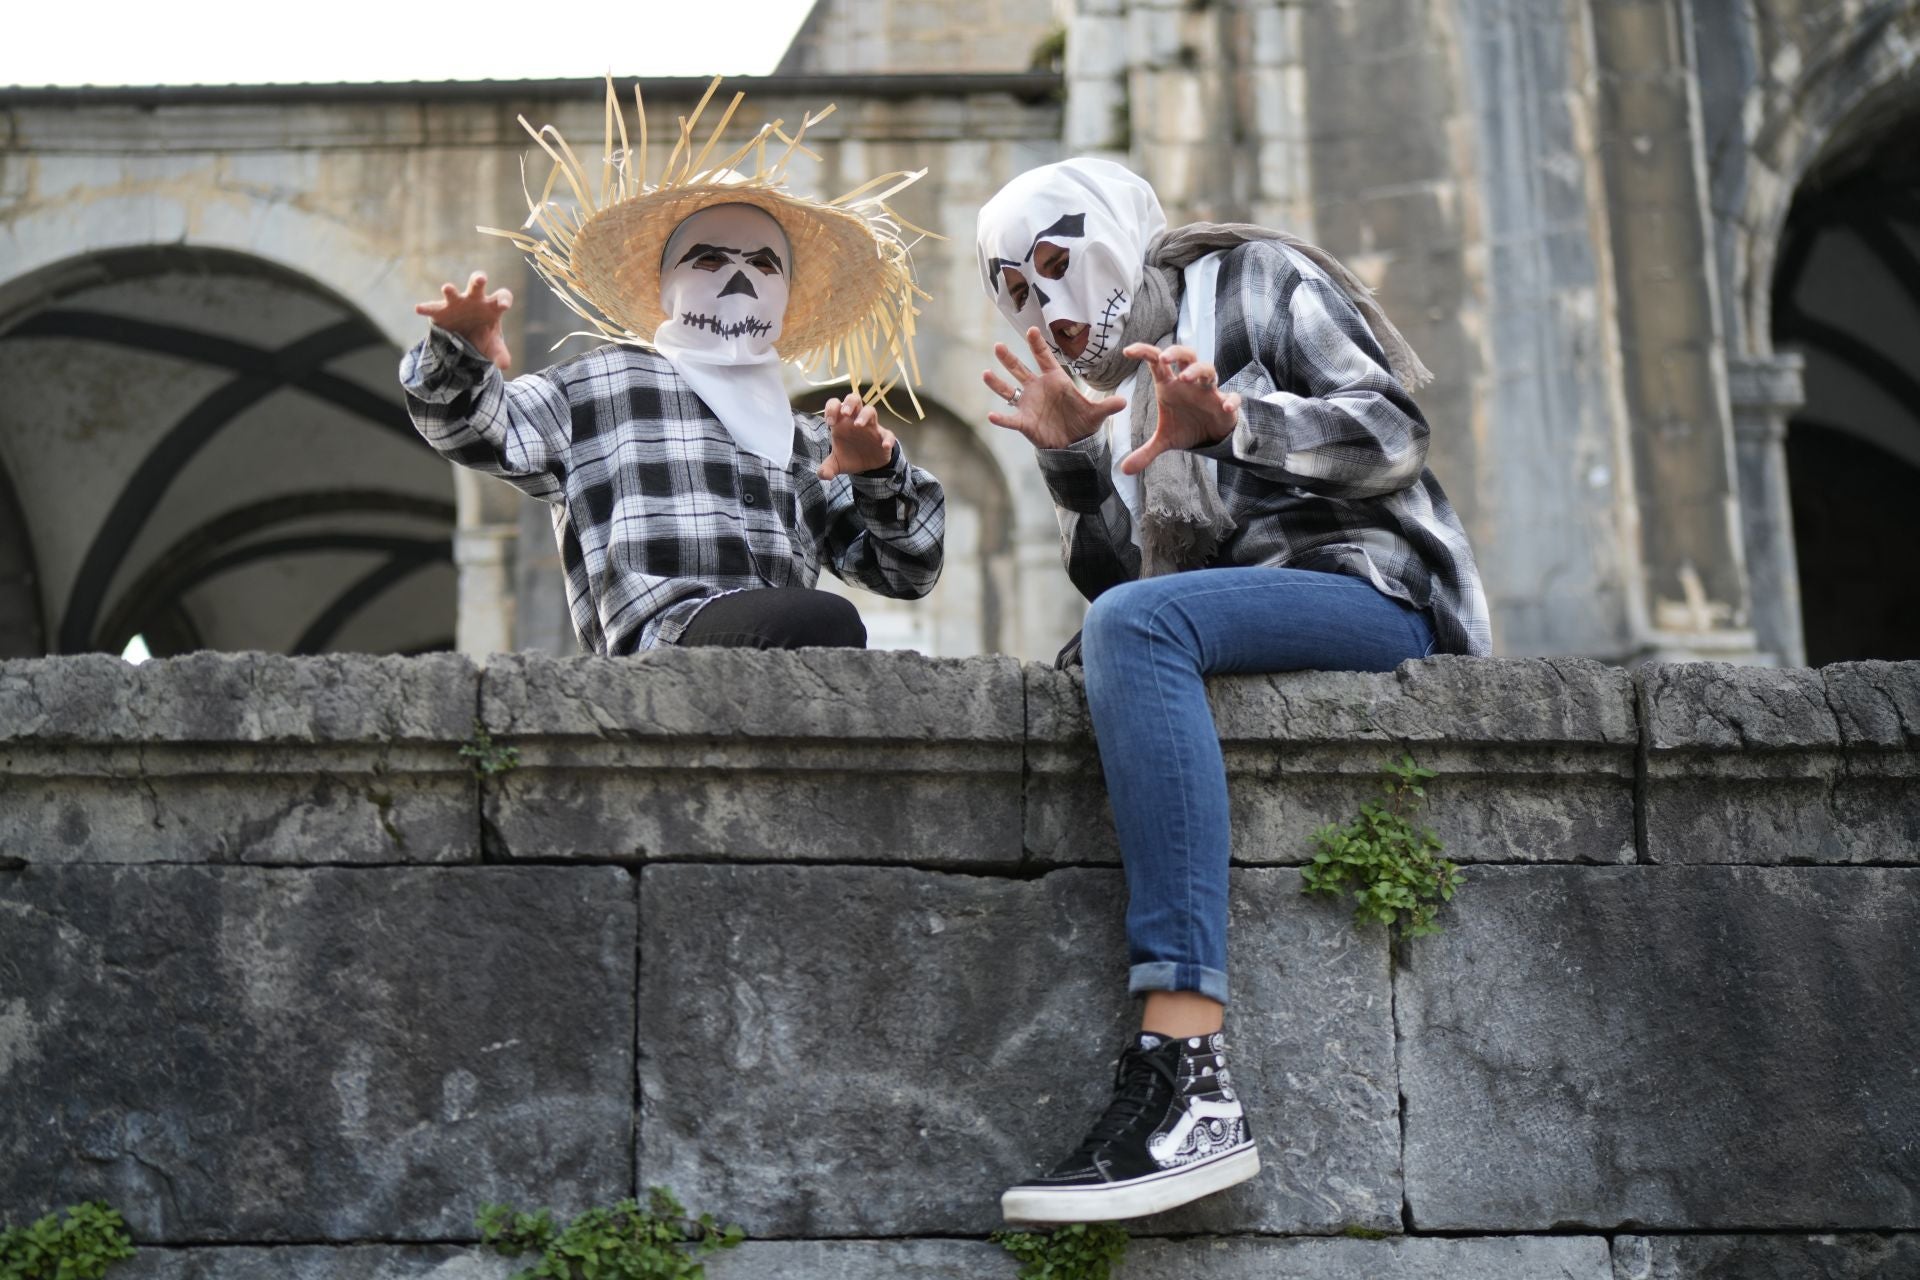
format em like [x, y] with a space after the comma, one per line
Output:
[1391, 865]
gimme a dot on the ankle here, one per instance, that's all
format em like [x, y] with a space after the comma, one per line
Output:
[1181, 1015]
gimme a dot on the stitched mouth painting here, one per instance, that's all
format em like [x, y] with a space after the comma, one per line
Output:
[745, 327]
[1105, 330]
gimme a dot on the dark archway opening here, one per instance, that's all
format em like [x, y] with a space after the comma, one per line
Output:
[1847, 296]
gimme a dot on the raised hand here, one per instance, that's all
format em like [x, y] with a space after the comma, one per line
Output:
[474, 315]
[1047, 408]
[1192, 410]
[860, 443]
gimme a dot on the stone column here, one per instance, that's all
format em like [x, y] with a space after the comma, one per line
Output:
[1694, 598]
[484, 541]
[1765, 390]
[1098, 119]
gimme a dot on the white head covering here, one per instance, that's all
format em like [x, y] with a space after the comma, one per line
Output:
[1104, 215]
[724, 285]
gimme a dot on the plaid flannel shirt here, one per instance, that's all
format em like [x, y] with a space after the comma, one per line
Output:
[1326, 466]
[655, 509]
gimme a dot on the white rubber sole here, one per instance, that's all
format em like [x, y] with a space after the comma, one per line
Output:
[1154, 1193]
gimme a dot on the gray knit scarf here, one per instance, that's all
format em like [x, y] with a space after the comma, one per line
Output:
[1182, 517]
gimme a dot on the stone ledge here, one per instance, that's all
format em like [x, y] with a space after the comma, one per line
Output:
[1763, 766]
[1536, 758]
[817, 755]
[237, 758]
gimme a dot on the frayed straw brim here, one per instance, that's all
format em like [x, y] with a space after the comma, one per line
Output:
[851, 296]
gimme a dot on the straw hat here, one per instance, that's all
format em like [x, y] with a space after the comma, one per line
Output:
[850, 308]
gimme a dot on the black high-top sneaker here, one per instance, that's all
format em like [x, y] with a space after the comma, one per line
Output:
[1174, 1132]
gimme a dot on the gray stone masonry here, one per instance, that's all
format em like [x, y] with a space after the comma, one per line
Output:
[1752, 765]
[260, 1054]
[1537, 756]
[237, 758]
[1767, 1257]
[933, 1038]
[1669, 1047]
[827, 755]
[862, 964]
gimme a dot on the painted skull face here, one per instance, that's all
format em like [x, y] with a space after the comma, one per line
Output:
[724, 283]
[1062, 248]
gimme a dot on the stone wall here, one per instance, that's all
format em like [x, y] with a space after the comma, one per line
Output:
[830, 943]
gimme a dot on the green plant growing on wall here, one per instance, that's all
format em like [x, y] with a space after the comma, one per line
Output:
[1083, 1251]
[487, 756]
[91, 1238]
[1390, 864]
[625, 1242]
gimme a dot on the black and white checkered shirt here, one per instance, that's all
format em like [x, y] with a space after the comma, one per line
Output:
[655, 509]
[1325, 470]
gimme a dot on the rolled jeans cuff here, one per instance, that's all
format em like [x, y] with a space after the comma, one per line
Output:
[1170, 975]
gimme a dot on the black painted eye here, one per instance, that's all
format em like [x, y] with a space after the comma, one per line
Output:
[712, 260]
[764, 261]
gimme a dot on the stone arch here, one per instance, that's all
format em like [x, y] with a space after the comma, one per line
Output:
[22, 628]
[1848, 91]
[971, 610]
[213, 452]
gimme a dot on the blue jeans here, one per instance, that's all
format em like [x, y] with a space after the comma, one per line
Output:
[1148, 647]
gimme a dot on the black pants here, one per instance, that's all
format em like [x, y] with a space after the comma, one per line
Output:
[777, 618]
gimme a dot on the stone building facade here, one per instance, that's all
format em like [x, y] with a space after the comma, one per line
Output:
[1664, 256]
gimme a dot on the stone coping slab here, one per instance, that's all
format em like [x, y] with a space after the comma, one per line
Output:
[815, 755]
[1751, 765]
[1853, 1256]
[1536, 757]
[237, 758]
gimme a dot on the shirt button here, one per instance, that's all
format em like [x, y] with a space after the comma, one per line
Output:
[748, 499]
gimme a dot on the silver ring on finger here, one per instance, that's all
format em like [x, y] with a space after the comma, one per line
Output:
[1014, 399]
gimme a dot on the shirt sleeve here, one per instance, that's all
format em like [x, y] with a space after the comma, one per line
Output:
[886, 528]
[1096, 530]
[470, 414]
[1319, 408]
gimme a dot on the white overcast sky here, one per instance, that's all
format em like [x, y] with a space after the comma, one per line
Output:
[116, 42]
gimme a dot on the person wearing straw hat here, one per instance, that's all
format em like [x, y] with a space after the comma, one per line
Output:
[1245, 491]
[691, 504]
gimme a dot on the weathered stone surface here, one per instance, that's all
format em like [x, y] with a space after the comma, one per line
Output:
[237, 758]
[1759, 765]
[1702, 1047]
[316, 1262]
[863, 1260]
[1536, 758]
[1395, 1258]
[819, 754]
[331, 1054]
[931, 1038]
[1766, 1257]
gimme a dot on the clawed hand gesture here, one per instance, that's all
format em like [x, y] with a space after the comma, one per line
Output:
[860, 443]
[1193, 411]
[474, 315]
[1047, 408]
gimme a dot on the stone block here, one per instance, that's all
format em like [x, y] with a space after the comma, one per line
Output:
[1673, 1047]
[817, 754]
[1536, 758]
[237, 757]
[931, 1038]
[1096, 47]
[863, 1260]
[316, 1262]
[335, 1054]
[1395, 1258]
[1766, 1257]
[1761, 765]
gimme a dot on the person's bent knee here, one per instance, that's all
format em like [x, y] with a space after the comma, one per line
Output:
[830, 622]
[1118, 617]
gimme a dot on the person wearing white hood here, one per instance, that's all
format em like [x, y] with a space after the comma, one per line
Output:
[692, 505]
[1245, 490]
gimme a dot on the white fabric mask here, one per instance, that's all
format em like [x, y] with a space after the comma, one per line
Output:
[723, 285]
[1103, 216]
